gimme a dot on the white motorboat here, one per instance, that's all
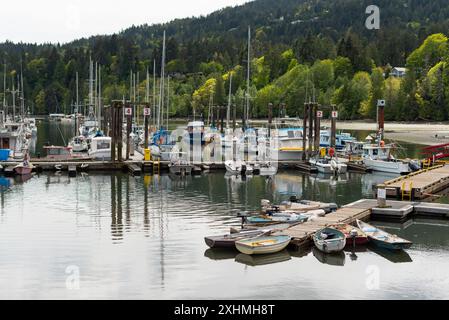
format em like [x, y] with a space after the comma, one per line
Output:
[235, 166]
[287, 141]
[100, 148]
[380, 158]
[329, 166]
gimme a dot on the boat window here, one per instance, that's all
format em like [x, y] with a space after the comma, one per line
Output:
[291, 134]
[375, 152]
[103, 145]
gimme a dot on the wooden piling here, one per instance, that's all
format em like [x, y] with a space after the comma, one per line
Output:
[305, 156]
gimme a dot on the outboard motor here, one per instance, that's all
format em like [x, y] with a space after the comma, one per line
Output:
[414, 165]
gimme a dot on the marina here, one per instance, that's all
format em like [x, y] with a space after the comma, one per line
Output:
[269, 150]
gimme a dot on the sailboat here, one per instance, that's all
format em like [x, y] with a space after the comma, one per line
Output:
[79, 142]
[161, 144]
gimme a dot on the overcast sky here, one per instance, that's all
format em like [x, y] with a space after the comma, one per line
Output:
[62, 21]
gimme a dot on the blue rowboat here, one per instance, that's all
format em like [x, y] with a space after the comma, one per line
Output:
[329, 240]
[263, 245]
[383, 239]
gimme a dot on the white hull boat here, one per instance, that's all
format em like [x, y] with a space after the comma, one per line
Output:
[234, 166]
[391, 166]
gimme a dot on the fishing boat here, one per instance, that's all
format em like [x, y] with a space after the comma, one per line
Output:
[382, 238]
[263, 245]
[329, 240]
[329, 166]
[341, 139]
[62, 153]
[287, 140]
[100, 148]
[354, 236]
[380, 158]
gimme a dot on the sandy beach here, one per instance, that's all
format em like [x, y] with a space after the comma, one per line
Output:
[419, 133]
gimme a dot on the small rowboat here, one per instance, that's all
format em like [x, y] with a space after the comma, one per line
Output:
[384, 239]
[263, 245]
[24, 169]
[228, 240]
[353, 234]
[329, 240]
[277, 218]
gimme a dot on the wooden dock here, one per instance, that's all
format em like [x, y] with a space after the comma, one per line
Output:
[419, 185]
[362, 209]
[302, 233]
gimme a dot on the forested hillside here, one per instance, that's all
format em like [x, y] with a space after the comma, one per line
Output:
[318, 48]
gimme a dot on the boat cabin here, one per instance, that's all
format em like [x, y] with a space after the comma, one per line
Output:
[377, 152]
[100, 148]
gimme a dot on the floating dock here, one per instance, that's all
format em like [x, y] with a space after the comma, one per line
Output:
[360, 210]
[418, 185]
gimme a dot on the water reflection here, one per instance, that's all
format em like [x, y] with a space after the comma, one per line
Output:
[221, 253]
[144, 238]
[392, 256]
[260, 260]
[333, 259]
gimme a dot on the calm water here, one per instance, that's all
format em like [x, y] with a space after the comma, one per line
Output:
[142, 237]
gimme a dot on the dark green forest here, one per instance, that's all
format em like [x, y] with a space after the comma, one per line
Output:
[301, 49]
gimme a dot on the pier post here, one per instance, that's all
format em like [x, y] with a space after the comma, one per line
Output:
[119, 132]
[304, 133]
[270, 118]
[234, 116]
[145, 127]
[333, 127]
[318, 114]
[381, 118]
[311, 122]
[128, 131]
[113, 113]
[222, 118]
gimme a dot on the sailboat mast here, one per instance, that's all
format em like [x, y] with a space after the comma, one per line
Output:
[13, 101]
[99, 97]
[147, 91]
[22, 95]
[91, 86]
[248, 74]
[168, 98]
[5, 108]
[76, 105]
[228, 111]
[154, 92]
[161, 97]
[136, 113]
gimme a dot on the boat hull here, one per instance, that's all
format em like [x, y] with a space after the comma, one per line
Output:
[390, 246]
[23, 170]
[336, 244]
[266, 249]
[387, 166]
